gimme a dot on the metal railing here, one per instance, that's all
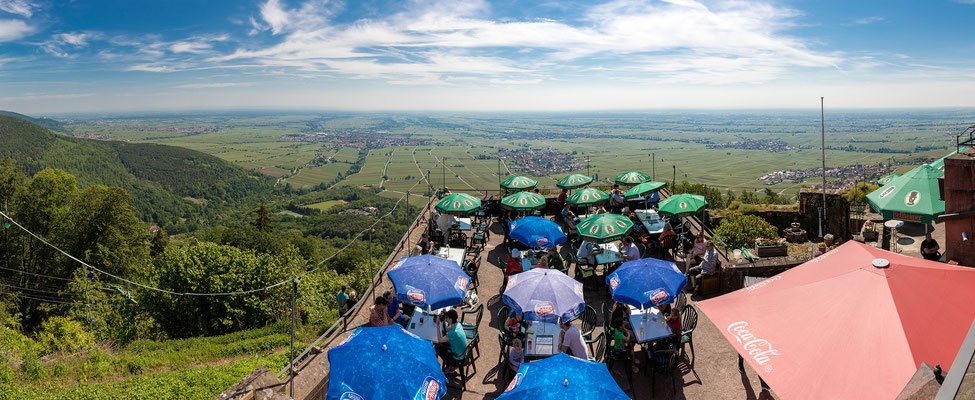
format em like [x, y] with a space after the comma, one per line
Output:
[376, 281]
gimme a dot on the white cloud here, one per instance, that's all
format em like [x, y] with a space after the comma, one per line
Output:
[13, 29]
[211, 85]
[74, 39]
[190, 47]
[22, 8]
[870, 20]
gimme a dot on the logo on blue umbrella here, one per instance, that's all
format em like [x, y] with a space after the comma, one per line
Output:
[516, 381]
[416, 296]
[350, 396]
[657, 296]
[428, 390]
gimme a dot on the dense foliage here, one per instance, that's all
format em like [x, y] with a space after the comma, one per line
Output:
[738, 230]
[717, 200]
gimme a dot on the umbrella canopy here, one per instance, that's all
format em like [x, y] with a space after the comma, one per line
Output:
[631, 178]
[384, 363]
[519, 183]
[886, 179]
[913, 196]
[458, 203]
[523, 201]
[875, 316]
[537, 232]
[604, 228]
[429, 280]
[646, 282]
[563, 377]
[544, 295]
[643, 189]
[574, 181]
[682, 205]
[939, 164]
[587, 197]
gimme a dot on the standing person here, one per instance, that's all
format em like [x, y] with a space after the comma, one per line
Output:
[445, 222]
[570, 341]
[516, 355]
[378, 315]
[930, 248]
[425, 245]
[561, 199]
[450, 346]
[342, 299]
[630, 251]
[694, 256]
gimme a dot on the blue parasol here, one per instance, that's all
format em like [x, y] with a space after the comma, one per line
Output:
[429, 281]
[563, 377]
[384, 363]
[646, 282]
[536, 232]
[544, 295]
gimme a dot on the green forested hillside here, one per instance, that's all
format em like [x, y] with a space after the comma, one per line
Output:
[46, 123]
[174, 187]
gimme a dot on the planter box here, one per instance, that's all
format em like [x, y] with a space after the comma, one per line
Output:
[772, 251]
[869, 236]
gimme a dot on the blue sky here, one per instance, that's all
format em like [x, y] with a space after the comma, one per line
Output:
[79, 56]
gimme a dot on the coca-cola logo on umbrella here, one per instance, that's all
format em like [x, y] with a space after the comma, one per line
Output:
[346, 340]
[760, 350]
[461, 283]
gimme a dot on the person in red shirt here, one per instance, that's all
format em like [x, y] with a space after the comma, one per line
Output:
[674, 323]
[512, 266]
[562, 196]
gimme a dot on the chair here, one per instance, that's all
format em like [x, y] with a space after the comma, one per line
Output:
[473, 266]
[583, 271]
[669, 245]
[661, 361]
[467, 360]
[680, 302]
[503, 368]
[479, 239]
[643, 249]
[688, 323]
[471, 328]
[607, 314]
[600, 342]
[588, 319]
[612, 356]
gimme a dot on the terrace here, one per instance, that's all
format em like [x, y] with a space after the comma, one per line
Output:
[710, 372]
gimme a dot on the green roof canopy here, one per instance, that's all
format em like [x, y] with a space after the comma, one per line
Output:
[939, 164]
[913, 197]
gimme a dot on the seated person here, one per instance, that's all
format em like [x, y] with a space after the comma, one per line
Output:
[542, 262]
[450, 346]
[555, 260]
[561, 199]
[694, 256]
[570, 341]
[425, 246]
[393, 309]
[445, 223]
[587, 253]
[929, 248]
[513, 325]
[513, 264]
[623, 340]
[516, 355]
[674, 323]
[378, 315]
[629, 249]
[638, 229]
[709, 264]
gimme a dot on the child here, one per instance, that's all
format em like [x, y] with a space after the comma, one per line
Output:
[516, 356]
[623, 340]
[674, 323]
[513, 325]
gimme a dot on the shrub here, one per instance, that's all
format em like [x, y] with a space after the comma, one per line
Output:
[738, 230]
[31, 368]
[748, 208]
[734, 205]
[64, 334]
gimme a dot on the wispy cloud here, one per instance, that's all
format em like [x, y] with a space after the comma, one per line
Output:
[211, 85]
[870, 20]
[22, 8]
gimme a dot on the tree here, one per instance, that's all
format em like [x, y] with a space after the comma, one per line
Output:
[263, 222]
[159, 242]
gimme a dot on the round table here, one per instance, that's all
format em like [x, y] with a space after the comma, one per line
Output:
[893, 225]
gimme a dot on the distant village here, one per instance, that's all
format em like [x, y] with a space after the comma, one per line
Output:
[767, 145]
[540, 162]
[849, 175]
[357, 138]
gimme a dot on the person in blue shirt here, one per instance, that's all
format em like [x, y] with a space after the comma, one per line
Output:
[393, 309]
[345, 300]
[451, 345]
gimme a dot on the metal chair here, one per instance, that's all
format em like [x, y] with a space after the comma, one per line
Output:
[688, 323]
[503, 368]
[467, 360]
[661, 361]
[471, 328]
[681, 301]
[472, 268]
[588, 319]
[612, 356]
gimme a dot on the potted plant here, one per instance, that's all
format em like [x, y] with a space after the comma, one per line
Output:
[774, 247]
[828, 239]
[869, 232]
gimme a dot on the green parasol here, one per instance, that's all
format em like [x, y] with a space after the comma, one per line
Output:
[631, 178]
[913, 197]
[574, 181]
[519, 183]
[458, 204]
[587, 197]
[604, 228]
[682, 205]
[523, 201]
[643, 189]
[939, 164]
[885, 180]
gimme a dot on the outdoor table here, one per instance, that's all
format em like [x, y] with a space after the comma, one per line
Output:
[452, 253]
[893, 225]
[648, 330]
[651, 221]
[545, 340]
[610, 255]
[529, 259]
[426, 329]
[463, 224]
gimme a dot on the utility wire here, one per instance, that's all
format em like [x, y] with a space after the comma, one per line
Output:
[43, 300]
[31, 273]
[144, 286]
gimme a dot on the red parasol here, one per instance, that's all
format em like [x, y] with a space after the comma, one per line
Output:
[855, 322]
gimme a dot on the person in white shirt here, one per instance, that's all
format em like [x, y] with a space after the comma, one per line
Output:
[709, 264]
[570, 341]
[445, 222]
[632, 252]
[587, 253]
